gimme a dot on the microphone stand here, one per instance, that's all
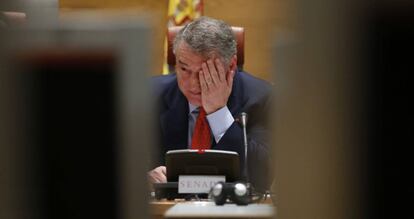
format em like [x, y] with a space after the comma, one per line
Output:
[243, 116]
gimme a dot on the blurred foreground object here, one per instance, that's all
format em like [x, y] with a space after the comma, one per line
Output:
[30, 11]
[344, 117]
[74, 110]
[315, 113]
[389, 46]
[12, 18]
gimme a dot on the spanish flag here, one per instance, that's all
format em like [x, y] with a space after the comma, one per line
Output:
[181, 12]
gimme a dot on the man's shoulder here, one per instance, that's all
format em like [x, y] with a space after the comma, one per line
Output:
[162, 83]
[251, 83]
[164, 80]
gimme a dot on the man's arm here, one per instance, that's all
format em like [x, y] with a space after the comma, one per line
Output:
[216, 86]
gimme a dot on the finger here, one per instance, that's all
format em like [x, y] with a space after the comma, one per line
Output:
[159, 177]
[203, 83]
[205, 71]
[162, 178]
[230, 77]
[163, 170]
[152, 176]
[213, 72]
[220, 69]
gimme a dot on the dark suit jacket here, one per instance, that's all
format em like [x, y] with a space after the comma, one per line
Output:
[249, 94]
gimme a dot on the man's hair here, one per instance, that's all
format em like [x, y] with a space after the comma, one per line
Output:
[207, 36]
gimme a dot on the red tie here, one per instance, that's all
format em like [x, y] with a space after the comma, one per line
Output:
[201, 135]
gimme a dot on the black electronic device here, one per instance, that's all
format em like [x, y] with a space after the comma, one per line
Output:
[206, 162]
[238, 193]
[196, 162]
[169, 191]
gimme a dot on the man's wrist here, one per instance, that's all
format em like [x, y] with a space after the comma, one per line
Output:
[219, 122]
[213, 110]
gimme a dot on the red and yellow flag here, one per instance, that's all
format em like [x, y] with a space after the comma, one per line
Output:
[180, 12]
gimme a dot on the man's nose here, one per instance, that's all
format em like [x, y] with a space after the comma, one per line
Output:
[195, 82]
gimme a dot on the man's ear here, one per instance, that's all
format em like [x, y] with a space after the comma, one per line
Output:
[233, 63]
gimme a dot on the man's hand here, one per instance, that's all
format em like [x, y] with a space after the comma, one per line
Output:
[216, 85]
[158, 175]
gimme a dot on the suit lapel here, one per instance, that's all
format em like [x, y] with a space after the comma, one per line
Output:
[236, 101]
[174, 120]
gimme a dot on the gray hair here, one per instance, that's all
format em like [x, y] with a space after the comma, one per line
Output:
[207, 36]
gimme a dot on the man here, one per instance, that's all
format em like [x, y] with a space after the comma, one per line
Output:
[208, 82]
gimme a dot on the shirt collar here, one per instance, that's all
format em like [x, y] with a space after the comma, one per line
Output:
[191, 107]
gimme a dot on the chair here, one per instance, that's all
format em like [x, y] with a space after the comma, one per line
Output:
[238, 33]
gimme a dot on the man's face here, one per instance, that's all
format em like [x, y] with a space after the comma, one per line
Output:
[188, 66]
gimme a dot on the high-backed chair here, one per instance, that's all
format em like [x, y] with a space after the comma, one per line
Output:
[238, 33]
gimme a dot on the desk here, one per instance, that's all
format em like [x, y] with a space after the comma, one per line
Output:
[207, 209]
[158, 208]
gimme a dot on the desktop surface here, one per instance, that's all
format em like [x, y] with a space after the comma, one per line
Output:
[205, 208]
[208, 209]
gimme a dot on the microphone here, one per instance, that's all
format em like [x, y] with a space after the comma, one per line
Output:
[243, 122]
[239, 193]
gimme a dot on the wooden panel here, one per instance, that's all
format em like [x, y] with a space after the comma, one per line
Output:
[113, 3]
[261, 20]
[155, 10]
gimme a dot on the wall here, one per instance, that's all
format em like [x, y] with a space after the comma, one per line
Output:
[261, 19]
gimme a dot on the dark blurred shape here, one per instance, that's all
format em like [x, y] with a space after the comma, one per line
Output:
[72, 131]
[389, 40]
[75, 109]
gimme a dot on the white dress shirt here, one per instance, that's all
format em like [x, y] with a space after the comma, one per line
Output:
[219, 122]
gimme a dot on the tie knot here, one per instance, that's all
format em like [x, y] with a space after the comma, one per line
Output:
[201, 112]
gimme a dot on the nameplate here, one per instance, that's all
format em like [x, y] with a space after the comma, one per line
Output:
[197, 184]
